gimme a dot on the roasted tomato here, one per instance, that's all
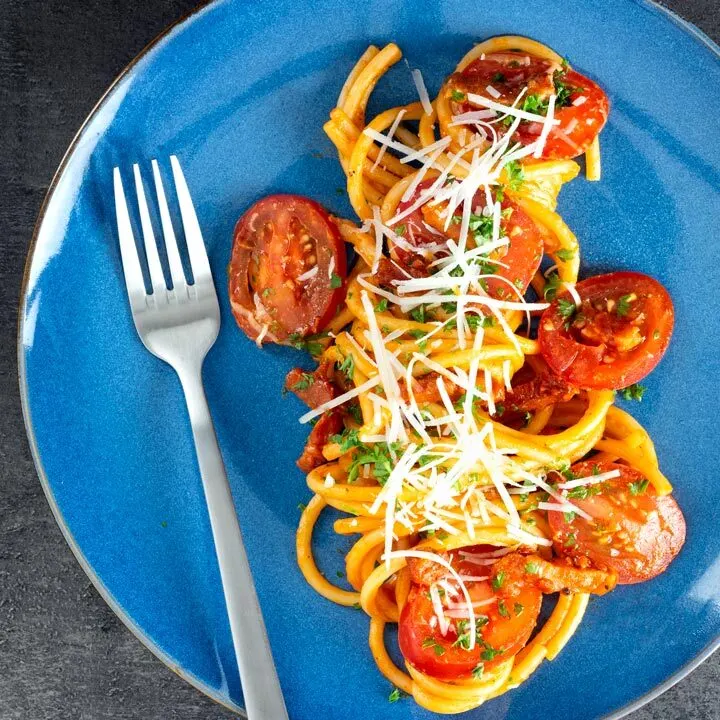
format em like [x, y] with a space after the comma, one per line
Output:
[424, 235]
[633, 532]
[581, 106]
[617, 335]
[503, 625]
[503, 631]
[274, 287]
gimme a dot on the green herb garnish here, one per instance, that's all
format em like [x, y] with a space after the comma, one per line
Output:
[639, 487]
[306, 380]
[633, 392]
[623, 305]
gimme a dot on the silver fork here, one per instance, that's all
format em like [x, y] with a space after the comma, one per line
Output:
[179, 326]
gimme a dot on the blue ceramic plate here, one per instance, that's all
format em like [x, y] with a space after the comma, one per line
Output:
[239, 91]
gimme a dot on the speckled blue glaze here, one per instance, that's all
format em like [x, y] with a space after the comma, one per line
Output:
[239, 92]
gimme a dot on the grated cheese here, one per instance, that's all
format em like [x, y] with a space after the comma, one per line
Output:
[422, 91]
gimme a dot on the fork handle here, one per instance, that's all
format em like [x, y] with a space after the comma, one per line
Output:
[260, 684]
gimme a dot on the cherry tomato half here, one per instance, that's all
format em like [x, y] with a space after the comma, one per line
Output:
[504, 625]
[633, 532]
[617, 335]
[581, 107]
[579, 124]
[277, 242]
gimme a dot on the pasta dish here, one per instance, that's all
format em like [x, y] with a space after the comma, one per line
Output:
[462, 409]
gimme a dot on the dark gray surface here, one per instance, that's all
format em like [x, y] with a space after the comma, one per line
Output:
[63, 653]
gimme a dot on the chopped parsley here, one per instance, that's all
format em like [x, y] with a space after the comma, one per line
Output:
[457, 96]
[552, 285]
[562, 91]
[477, 671]
[381, 456]
[571, 541]
[623, 305]
[400, 230]
[498, 580]
[639, 487]
[633, 392]
[489, 653]
[419, 336]
[532, 568]
[515, 174]
[305, 382]
[565, 254]
[583, 492]
[347, 367]
[301, 507]
[312, 344]
[335, 281]
[518, 607]
[356, 413]
[347, 439]
[481, 226]
[463, 638]
[535, 104]
[502, 609]
[381, 305]
[418, 314]
[567, 309]
[473, 321]
[431, 642]
[498, 77]
[395, 695]
[569, 516]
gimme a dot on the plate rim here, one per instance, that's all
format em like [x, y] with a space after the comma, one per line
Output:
[652, 5]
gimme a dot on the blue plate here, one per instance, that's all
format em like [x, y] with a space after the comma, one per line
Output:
[239, 91]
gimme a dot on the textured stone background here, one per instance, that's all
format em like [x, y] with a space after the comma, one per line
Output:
[63, 654]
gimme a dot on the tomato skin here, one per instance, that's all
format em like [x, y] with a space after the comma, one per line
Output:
[276, 241]
[509, 620]
[635, 536]
[578, 124]
[425, 227]
[589, 352]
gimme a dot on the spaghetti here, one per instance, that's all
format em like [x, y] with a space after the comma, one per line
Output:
[464, 413]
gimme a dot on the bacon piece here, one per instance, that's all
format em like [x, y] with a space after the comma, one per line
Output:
[314, 388]
[543, 390]
[330, 423]
[513, 571]
[425, 389]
